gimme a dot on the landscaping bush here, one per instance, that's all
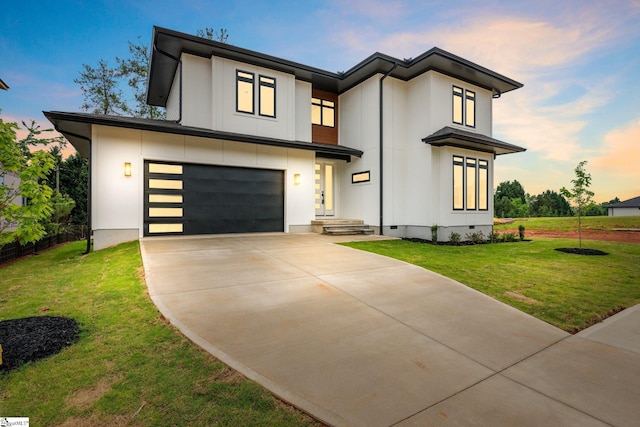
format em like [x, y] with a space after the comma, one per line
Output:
[476, 238]
[521, 231]
[434, 234]
[454, 238]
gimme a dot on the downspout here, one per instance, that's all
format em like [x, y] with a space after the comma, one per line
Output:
[179, 61]
[395, 64]
[75, 135]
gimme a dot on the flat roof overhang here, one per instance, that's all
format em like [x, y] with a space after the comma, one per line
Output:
[76, 127]
[168, 46]
[452, 137]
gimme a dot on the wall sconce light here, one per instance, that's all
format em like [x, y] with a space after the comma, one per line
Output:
[296, 179]
[127, 169]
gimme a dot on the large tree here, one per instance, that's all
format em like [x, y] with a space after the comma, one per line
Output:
[20, 221]
[510, 200]
[549, 203]
[121, 90]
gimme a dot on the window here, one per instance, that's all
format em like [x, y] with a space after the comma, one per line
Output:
[360, 177]
[457, 105]
[470, 107]
[322, 112]
[464, 107]
[470, 184]
[267, 96]
[458, 183]
[483, 185]
[244, 92]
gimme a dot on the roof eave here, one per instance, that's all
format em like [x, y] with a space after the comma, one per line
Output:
[479, 143]
[77, 128]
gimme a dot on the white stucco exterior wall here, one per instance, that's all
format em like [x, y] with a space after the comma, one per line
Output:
[117, 201]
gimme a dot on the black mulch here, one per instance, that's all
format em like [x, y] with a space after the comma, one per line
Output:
[583, 251]
[33, 338]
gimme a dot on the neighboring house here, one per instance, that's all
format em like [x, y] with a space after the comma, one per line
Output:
[629, 207]
[3, 85]
[256, 143]
[10, 180]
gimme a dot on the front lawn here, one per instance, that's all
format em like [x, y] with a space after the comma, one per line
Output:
[599, 223]
[568, 291]
[130, 366]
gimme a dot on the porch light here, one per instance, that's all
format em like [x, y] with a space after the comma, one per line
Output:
[296, 179]
[127, 168]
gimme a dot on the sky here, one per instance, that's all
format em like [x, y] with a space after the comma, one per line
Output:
[579, 62]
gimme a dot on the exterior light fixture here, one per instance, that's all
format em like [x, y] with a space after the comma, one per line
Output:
[296, 179]
[127, 168]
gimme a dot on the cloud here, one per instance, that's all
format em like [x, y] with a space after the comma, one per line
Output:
[620, 152]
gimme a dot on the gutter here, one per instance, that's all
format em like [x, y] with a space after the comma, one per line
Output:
[395, 64]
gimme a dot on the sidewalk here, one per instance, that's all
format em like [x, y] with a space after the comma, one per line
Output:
[357, 339]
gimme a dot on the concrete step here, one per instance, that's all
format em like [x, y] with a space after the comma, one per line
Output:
[344, 230]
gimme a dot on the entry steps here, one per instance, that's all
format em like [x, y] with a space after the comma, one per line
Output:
[340, 227]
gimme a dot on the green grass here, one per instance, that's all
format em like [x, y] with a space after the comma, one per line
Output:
[601, 223]
[568, 291]
[128, 357]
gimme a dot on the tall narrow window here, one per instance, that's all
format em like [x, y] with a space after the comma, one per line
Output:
[483, 185]
[457, 105]
[244, 91]
[267, 96]
[323, 112]
[471, 184]
[458, 183]
[470, 108]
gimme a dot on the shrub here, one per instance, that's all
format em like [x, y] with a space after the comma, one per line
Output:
[494, 237]
[454, 238]
[434, 234]
[475, 238]
[521, 231]
[509, 237]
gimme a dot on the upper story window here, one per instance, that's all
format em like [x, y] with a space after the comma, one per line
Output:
[323, 112]
[244, 91]
[245, 94]
[464, 106]
[267, 96]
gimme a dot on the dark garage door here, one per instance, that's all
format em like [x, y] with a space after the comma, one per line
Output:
[200, 199]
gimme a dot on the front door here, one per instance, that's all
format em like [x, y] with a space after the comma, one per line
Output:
[325, 194]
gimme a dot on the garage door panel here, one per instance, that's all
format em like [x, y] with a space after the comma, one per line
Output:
[218, 199]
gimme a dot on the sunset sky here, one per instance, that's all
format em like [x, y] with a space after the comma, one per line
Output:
[579, 62]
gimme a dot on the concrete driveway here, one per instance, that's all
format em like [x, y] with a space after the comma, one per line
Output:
[357, 339]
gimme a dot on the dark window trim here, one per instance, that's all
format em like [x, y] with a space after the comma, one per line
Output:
[322, 106]
[266, 84]
[460, 163]
[473, 98]
[483, 164]
[453, 104]
[253, 84]
[353, 177]
[470, 163]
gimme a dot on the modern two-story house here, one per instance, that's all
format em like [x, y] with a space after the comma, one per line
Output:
[256, 143]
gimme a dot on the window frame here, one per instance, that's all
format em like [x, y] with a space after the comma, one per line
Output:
[252, 82]
[323, 105]
[263, 84]
[469, 98]
[460, 97]
[476, 168]
[360, 177]
[458, 161]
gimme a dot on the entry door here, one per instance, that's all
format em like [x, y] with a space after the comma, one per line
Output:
[325, 184]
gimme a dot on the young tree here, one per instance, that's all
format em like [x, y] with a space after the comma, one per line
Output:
[32, 169]
[580, 193]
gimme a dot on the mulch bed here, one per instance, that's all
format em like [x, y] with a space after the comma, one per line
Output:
[33, 338]
[582, 251]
